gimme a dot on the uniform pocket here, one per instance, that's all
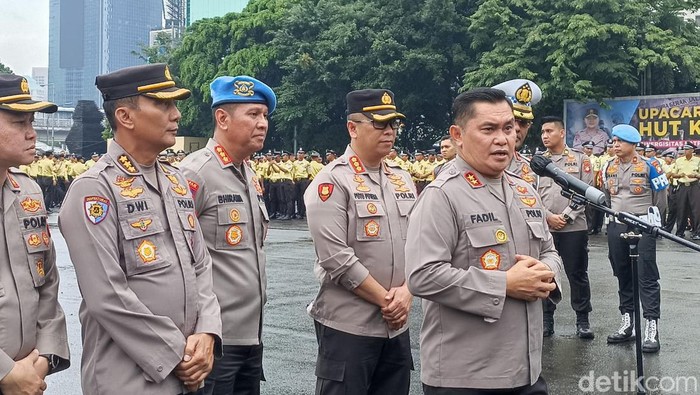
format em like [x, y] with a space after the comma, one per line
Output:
[231, 227]
[329, 369]
[489, 246]
[37, 242]
[638, 186]
[405, 207]
[371, 221]
[144, 244]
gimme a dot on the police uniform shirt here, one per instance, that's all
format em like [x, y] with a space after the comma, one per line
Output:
[358, 222]
[463, 234]
[634, 186]
[598, 137]
[234, 222]
[30, 316]
[301, 169]
[314, 169]
[286, 165]
[144, 274]
[685, 166]
[521, 167]
[573, 163]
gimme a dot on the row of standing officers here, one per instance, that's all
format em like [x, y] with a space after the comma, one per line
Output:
[171, 265]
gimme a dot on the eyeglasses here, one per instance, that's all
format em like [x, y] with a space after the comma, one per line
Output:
[523, 122]
[381, 125]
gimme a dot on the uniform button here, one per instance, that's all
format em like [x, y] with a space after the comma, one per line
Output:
[160, 369]
[496, 301]
[453, 171]
[206, 154]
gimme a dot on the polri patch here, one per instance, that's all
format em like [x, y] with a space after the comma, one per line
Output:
[96, 208]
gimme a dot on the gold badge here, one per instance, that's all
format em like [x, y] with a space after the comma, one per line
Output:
[524, 94]
[142, 224]
[146, 251]
[371, 208]
[256, 183]
[637, 190]
[124, 182]
[30, 205]
[190, 220]
[235, 215]
[521, 189]
[386, 98]
[473, 179]
[501, 236]
[243, 88]
[173, 180]
[372, 229]
[24, 86]
[491, 260]
[234, 235]
[223, 155]
[357, 165]
[361, 187]
[33, 240]
[528, 201]
[167, 74]
[40, 268]
[46, 238]
[131, 192]
[180, 190]
[126, 163]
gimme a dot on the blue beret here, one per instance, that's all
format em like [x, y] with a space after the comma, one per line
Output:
[242, 89]
[626, 133]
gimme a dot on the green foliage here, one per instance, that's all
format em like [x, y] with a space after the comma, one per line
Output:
[161, 50]
[4, 69]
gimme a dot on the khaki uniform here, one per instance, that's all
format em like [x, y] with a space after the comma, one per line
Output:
[688, 194]
[521, 167]
[573, 163]
[463, 235]
[314, 169]
[358, 221]
[30, 316]
[234, 221]
[144, 273]
[598, 137]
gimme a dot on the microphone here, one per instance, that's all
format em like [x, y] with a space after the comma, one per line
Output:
[544, 167]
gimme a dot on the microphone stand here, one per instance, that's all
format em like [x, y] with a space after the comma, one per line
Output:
[632, 238]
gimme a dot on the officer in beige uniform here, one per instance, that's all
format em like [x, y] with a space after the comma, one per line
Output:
[301, 182]
[686, 171]
[33, 342]
[633, 184]
[150, 320]
[568, 224]
[523, 94]
[229, 201]
[480, 255]
[357, 209]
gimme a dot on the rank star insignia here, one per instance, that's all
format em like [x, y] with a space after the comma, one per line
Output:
[224, 157]
[501, 236]
[491, 260]
[528, 201]
[357, 165]
[96, 208]
[180, 190]
[473, 180]
[521, 189]
[30, 205]
[234, 235]
[235, 215]
[126, 163]
[33, 240]
[142, 224]
[325, 191]
[146, 251]
[131, 192]
[371, 208]
[372, 229]
[40, 268]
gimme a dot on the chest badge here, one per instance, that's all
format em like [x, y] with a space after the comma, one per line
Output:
[234, 235]
[491, 260]
[501, 236]
[146, 251]
[30, 205]
[361, 187]
[142, 224]
[372, 229]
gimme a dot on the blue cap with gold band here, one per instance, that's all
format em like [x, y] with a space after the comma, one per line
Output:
[376, 104]
[627, 133]
[152, 80]
[15, 96]
[242, 89]
[523, 94]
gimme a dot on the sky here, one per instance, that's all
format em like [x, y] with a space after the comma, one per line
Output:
[24, 34]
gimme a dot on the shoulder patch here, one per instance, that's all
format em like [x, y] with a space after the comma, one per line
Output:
[325, 190]
[96, 208]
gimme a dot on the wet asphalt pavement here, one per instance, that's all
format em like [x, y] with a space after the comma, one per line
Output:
[571, 366]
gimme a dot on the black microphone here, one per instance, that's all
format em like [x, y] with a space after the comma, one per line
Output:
[544, 167]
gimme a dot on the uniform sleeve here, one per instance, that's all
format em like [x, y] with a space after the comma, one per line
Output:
[152, 341]
[550, 257]
[433, 234]
[51, 323]
[6, 364]
[328, 224]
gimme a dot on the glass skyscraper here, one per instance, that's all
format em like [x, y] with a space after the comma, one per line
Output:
[92, 37]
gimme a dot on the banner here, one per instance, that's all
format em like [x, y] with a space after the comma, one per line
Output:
[664, 121]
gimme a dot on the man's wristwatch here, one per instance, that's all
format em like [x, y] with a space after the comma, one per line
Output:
[567, 218]
[53, 361]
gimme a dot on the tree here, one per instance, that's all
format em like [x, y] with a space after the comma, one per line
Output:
[4, 69]
[585, 49]
[160, 52]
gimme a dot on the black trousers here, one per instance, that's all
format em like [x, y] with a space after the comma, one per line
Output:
[238, 372]
[266, 195]
[573, 249]
[594, 218]
[286, 198]
[688, 207]
[275, 207]
[672, 209]
[360, 365]
[649, 288]
[539, 388]
[299, 189]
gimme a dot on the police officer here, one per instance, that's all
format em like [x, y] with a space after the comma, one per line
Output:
[301, 182]
[284, 172]
[669, 217]
[591, 132]
[523, 94]
[231, 210]
[151, 322]
[315, 166]
[357, 209]
[568, 224]
[448, 151]
[34, 341]
[686, 171]
[634, 184]
[331, 155]
[479, 253]
[420, 171]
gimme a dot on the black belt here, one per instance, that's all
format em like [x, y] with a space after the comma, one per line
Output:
[687, 184]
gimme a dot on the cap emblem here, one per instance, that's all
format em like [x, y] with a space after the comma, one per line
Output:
[243, 88]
